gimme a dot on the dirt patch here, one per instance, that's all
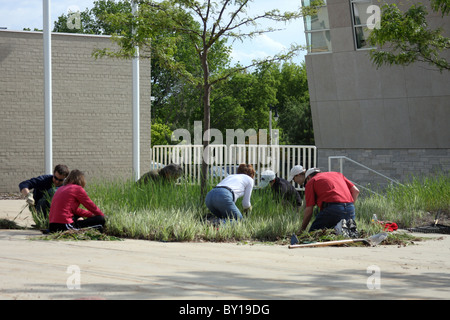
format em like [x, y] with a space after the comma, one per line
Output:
[442, 217]
[10, 196]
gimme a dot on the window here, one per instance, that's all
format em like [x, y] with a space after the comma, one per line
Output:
[360, 18]
[317, 29]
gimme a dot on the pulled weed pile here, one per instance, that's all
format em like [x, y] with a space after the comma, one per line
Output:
[78, 235]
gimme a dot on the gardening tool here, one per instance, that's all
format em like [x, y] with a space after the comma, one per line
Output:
[372, 241]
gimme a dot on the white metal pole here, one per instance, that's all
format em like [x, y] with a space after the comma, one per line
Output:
[136, 125]
[270, 126]
[48, 148]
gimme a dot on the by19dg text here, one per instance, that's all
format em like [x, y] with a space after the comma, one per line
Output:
[227, 309]
[249, 309]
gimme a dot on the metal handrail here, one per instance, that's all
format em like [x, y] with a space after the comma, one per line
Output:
[359, 164]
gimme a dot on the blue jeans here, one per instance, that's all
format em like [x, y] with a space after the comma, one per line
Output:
[220, 202]
[330, 216]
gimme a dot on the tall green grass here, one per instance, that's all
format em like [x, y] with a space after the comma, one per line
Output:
[408, 204]
[169, 212]
[175, 212]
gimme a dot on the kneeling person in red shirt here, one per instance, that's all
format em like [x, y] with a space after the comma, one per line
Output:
[65, 212]
[333, 193]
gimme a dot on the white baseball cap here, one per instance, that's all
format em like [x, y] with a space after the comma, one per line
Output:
[266, 177]
[295, 171]
[311, 170]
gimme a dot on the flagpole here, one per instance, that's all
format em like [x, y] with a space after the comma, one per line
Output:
[48, 148]
[136, 105]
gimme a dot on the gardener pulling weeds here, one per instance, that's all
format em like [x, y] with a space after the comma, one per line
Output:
[333, 194]
[283, 191]
[169, 173]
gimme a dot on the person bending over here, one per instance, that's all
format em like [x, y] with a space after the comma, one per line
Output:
[333, 193]
[283, 190]
[221, 200]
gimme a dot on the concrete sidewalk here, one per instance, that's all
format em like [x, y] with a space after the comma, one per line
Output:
[133, 269]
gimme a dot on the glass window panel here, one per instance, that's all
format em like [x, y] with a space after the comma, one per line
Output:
[317, 30]
[317, 22]
[362, 33]
[360, 14]
[319, 41]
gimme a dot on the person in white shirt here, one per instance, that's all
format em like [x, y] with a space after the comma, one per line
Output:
[221, 200]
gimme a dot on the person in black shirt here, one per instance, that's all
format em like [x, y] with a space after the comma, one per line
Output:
[282, 189]
[43, 188]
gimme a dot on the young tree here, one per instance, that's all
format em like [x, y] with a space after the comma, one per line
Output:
[204, 23]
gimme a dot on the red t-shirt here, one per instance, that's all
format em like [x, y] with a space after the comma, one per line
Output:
[328, 187]
[66, 202]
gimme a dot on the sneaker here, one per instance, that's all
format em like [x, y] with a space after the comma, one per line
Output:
[341, 228]
[294, 239]
[352, 230]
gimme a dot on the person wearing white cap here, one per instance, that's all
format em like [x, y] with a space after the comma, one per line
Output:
[333, 193]
[282, 189]
[297, 174]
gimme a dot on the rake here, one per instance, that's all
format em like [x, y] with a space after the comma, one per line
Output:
[372, 241]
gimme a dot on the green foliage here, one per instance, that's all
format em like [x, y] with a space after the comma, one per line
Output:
[161, 134]
[405, 37]
[78, 235]
[8, 224]
[243, 102]
[408, 205]
[240, 100]
[91, 21]
[170, 212]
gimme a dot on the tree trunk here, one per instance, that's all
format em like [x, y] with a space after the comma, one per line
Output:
[206, 124]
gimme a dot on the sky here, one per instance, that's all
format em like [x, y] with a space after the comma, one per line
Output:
[19, 14]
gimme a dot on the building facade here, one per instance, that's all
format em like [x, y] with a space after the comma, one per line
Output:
[392, 119]
[92, 108]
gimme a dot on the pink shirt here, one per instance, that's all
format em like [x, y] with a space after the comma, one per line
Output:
[66, 202]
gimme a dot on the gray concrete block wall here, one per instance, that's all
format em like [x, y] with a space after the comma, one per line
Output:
[397, 164]
[92, 108]
[393, 119]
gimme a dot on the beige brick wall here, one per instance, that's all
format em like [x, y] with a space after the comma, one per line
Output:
[92, 108]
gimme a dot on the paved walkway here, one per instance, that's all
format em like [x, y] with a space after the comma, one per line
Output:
[133, 269]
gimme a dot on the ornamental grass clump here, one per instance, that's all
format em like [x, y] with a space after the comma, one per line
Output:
[174, 212]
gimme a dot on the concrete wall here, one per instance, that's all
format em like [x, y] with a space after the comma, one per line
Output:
[397, 164]
[365, 113]
[92, 108]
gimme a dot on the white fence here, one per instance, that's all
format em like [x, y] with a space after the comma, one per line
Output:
[223, 160]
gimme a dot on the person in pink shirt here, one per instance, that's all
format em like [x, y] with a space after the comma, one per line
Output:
[65, 212]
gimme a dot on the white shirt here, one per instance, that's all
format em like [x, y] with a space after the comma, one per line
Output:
[242, 185]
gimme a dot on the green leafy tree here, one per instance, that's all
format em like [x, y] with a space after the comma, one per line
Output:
[187, 43]
[89, 20]
[204, 23]
[161, 134]
[293, 105]
[405, 37]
